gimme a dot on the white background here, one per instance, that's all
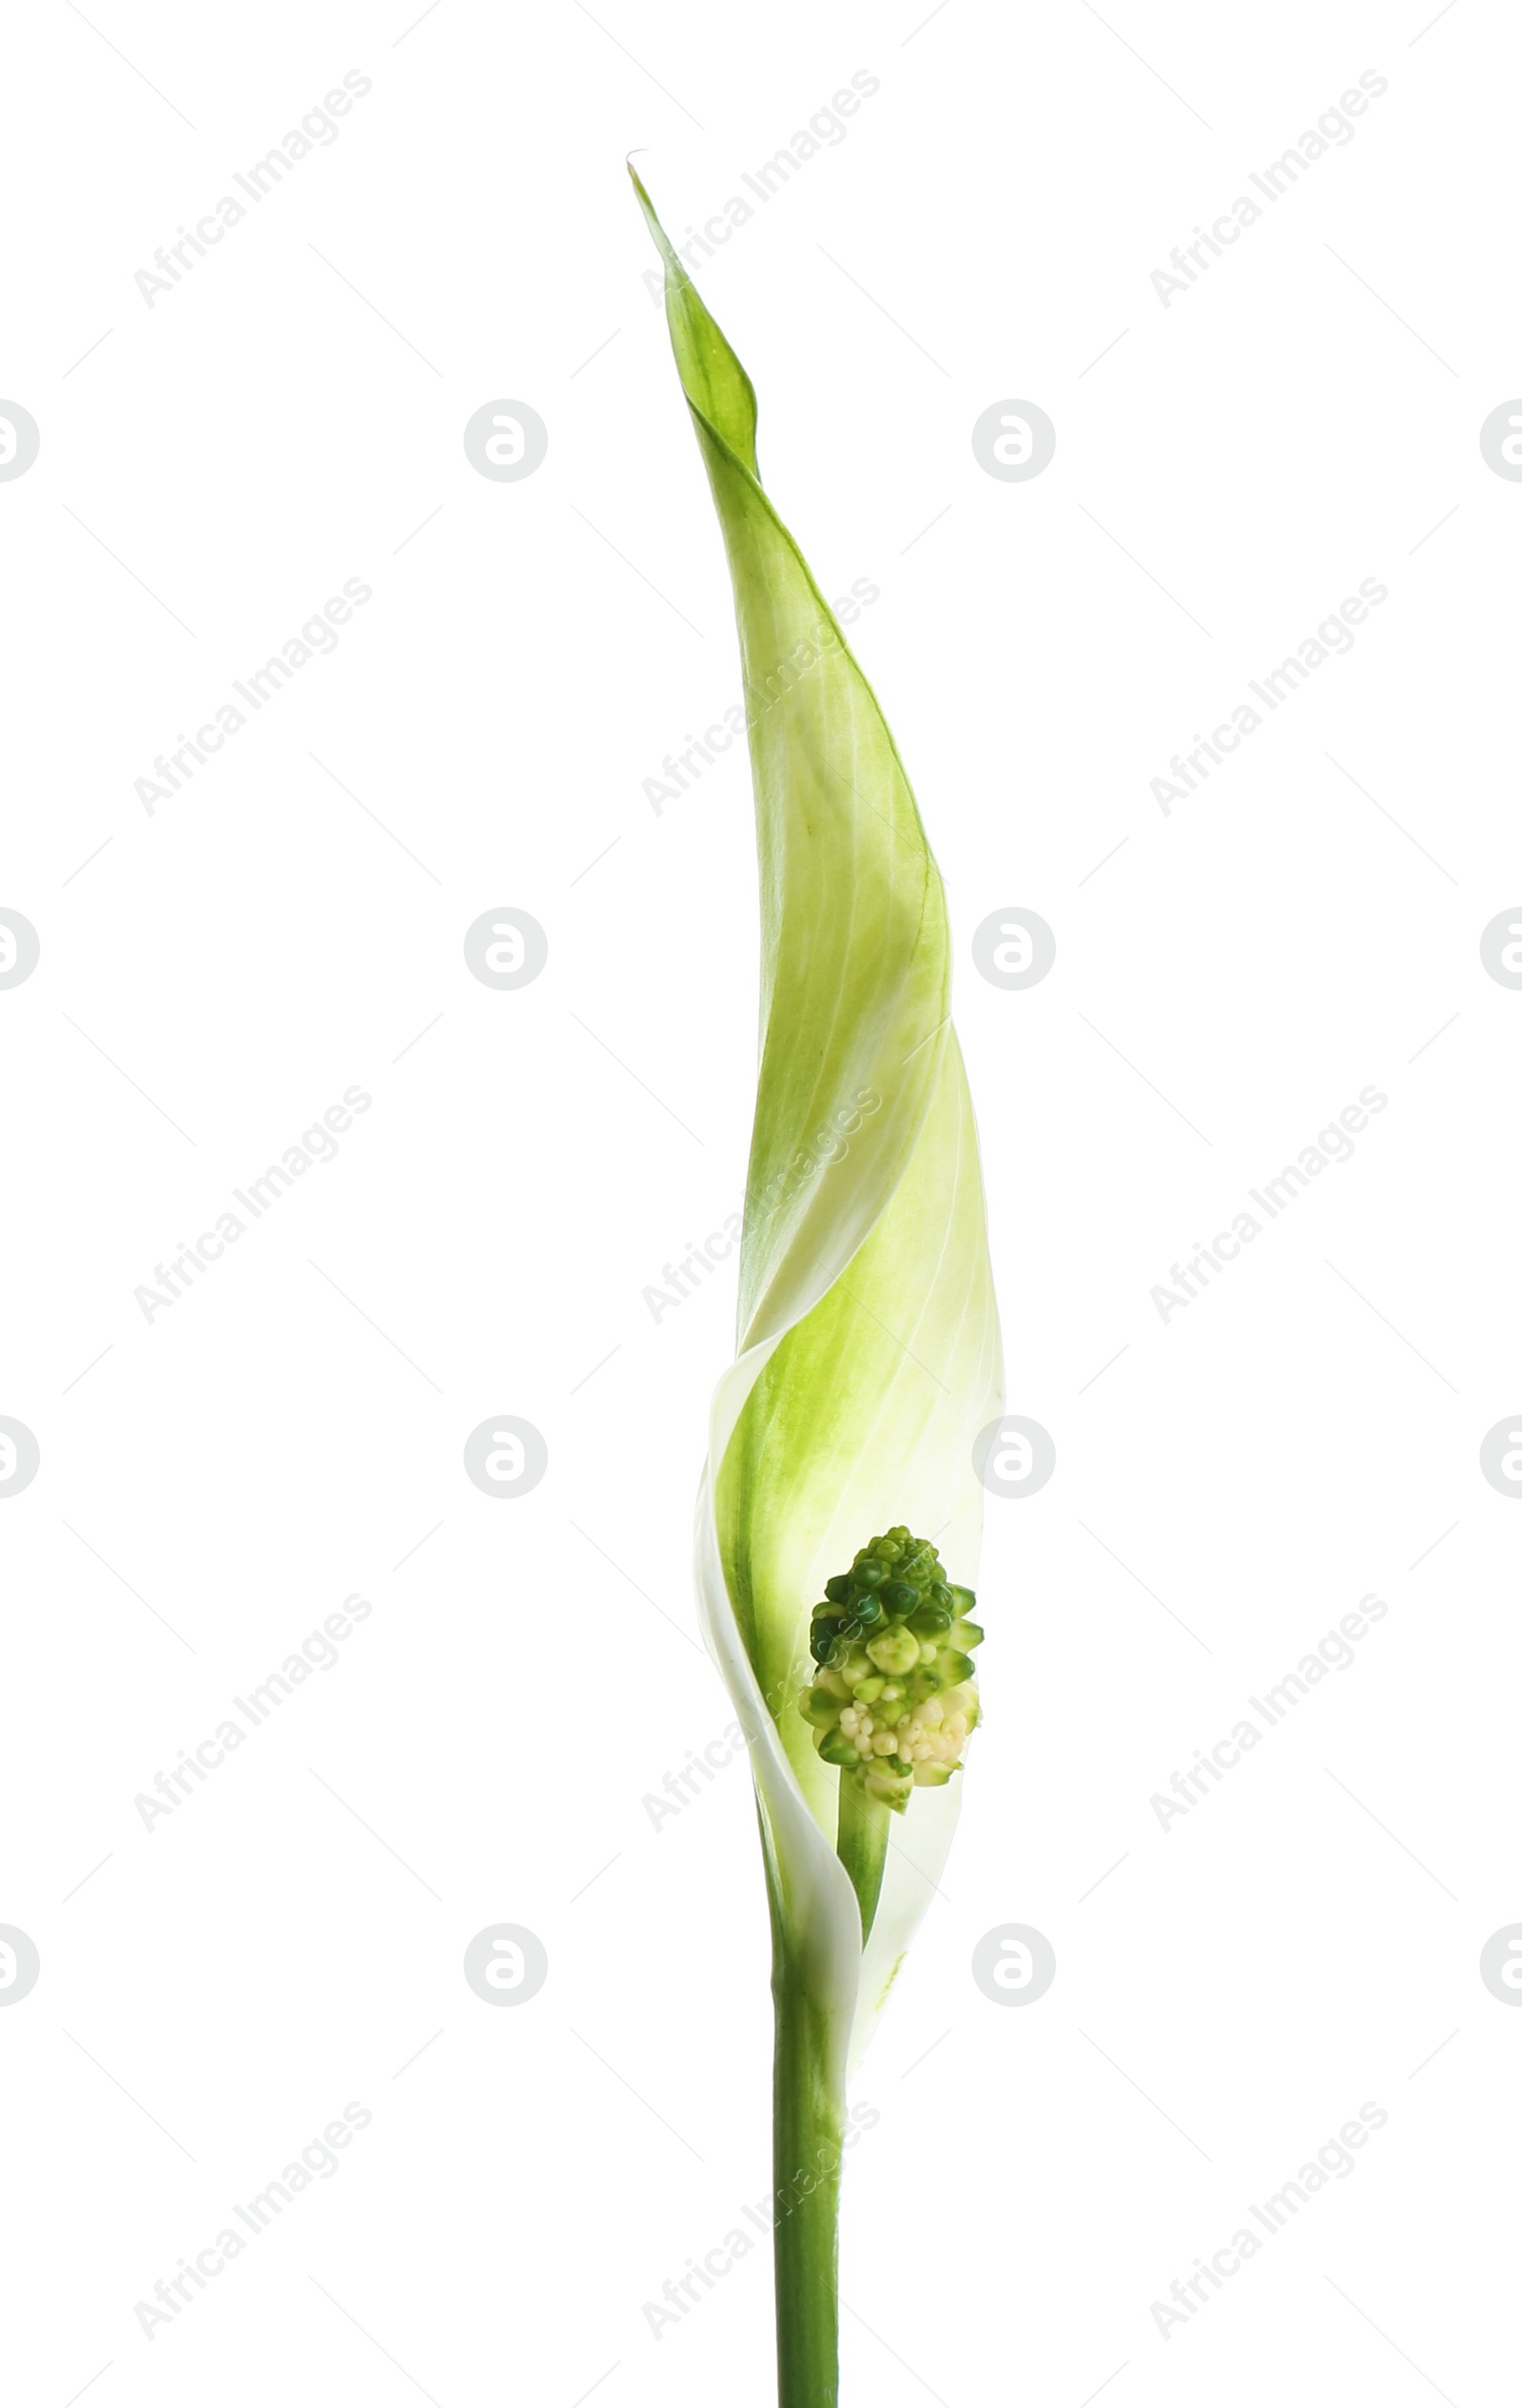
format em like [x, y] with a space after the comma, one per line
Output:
[1229, 1483]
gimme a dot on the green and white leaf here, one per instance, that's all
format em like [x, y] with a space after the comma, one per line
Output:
[869, 1353]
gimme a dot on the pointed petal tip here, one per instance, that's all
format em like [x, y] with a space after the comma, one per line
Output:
[658, 232]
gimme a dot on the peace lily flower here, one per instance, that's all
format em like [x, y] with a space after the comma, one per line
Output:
[867, 1359]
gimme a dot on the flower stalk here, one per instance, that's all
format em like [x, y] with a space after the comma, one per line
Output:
[807, 2136]
[860, 1843]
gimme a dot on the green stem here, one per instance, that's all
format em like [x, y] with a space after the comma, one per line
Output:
[808, 2116]
[862, 1844]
